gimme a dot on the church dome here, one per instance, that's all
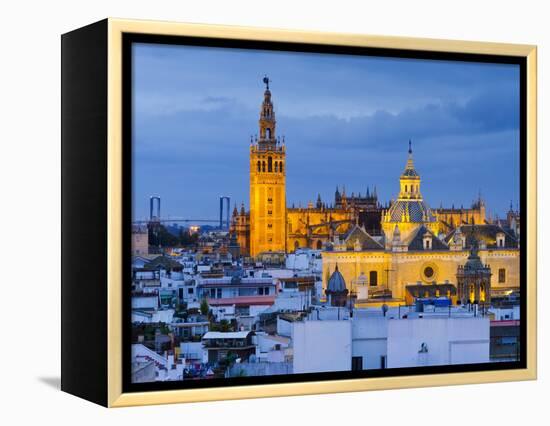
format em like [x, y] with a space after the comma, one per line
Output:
[409, 206]
[415, 210]
[336, 282]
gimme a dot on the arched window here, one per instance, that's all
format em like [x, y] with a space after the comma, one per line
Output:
[276, 166]
[269, 164]
[406, 188]
[263, 166]
[268, 133]
[281, 167]
[259, 165]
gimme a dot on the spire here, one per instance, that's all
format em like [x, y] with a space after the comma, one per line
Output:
[409, 168]
[267, 118]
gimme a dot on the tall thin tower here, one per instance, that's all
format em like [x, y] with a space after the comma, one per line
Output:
[267, 184]
[224, 212]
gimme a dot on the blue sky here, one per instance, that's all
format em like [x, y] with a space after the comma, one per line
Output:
[346, 120]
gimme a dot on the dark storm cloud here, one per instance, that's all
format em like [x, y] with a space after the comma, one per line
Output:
[346, 120]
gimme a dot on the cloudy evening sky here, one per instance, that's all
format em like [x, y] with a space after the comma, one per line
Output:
[346, 119]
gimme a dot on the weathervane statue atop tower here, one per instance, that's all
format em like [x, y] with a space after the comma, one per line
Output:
[266, 81]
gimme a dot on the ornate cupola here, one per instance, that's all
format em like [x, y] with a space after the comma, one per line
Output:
[474, 279]
[337, 290]
[410, 180]
[409, 209]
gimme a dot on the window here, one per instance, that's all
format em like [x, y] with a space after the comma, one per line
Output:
[270, 200]
[428, 272]
[268, 133]
[427, 245]
[219, 293]
[502, 275]
[190, 290]
[281, 167]
[269, 212]
[356, 363]
[373, 278]
[383, 361]
[269, 225]
[259, 165]
[405, 188]
[212, 293]
[269, 164]
[319, 245]
[263, 166]
[508, 340]
[276, 166]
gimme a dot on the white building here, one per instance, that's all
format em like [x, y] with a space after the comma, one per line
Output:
[145, 301]
[320, 346]
[156, 316]
[437, 340]
[305, 259]
[369, 341]
[192, 353]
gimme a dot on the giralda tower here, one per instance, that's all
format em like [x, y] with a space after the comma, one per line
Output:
[267, 184]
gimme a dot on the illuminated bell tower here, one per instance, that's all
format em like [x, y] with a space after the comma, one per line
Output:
[267, 184]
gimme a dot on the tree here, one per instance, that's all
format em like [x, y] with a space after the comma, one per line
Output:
[204, 307]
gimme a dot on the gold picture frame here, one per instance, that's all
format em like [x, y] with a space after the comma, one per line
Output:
[115, 29]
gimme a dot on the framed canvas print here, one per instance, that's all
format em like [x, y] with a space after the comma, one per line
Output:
[250, 212]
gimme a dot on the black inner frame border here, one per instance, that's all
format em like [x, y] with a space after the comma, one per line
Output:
[128, 39]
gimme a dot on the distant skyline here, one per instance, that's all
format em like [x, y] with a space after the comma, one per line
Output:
[346, 120]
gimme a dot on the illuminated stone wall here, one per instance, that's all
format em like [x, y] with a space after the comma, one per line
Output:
[412, 267]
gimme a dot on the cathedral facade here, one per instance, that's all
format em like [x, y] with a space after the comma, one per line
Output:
[415, 256]
[391, 249]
